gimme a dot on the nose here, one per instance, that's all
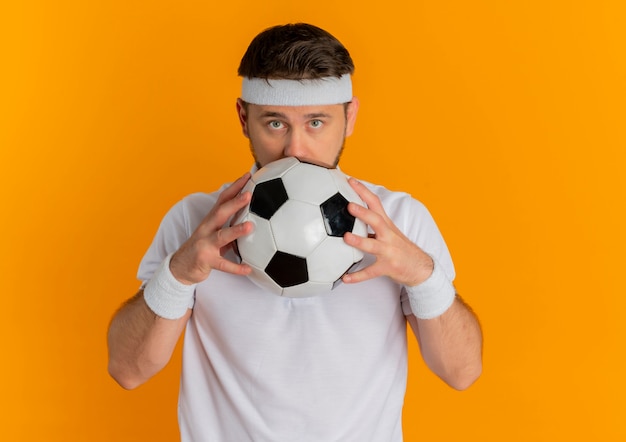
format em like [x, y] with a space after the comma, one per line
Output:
[296, 145]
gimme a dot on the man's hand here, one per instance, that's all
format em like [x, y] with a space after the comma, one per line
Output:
[204, 249]
[451, 344]
[396, 256]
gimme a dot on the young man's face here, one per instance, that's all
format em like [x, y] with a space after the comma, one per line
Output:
[313, 134]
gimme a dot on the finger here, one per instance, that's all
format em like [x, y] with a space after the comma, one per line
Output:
[368, 197]
[227, 235]
[228, 208]
[234, 188]
[228, 202]
[375, 220]
[224, 265]
[374, 214]
[365, 274]
[367, 245]
[221, 212]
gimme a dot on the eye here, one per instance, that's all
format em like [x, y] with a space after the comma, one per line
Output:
[275, 124]
[316, 123]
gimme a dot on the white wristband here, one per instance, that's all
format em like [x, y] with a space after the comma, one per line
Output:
[432, 297]
[165, 295]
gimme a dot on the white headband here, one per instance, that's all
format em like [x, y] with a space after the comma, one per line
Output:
[314, 92]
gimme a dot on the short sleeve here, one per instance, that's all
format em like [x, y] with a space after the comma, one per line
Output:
[175, 228]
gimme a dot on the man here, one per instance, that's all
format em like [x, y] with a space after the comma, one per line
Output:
[266, 368]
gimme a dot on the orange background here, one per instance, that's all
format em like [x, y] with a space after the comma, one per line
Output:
[505, 118]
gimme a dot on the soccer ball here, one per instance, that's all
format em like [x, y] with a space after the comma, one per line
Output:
[300, 215]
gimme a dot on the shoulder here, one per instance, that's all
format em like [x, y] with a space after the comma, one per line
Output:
[175, 228]
[198, 205]
[191, 210]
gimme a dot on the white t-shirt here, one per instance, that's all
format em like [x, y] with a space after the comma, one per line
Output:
[260, 367]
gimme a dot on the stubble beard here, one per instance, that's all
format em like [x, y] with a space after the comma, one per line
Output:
[335, 163]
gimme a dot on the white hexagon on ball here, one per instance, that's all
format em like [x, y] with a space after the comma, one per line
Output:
[331, 260]
[323, 189]
[298, 228]
[259, 246]
[275, 169]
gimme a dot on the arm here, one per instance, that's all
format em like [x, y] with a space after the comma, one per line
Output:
[140, 342]
[450, 342]
[142, 337]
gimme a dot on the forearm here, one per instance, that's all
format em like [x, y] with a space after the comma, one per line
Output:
[140, 343]
[451, 344]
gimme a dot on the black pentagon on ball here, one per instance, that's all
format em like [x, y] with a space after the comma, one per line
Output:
[267, 198]
[336, 217]
[287, 270]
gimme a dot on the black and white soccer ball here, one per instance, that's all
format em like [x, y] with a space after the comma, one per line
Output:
[300, 215]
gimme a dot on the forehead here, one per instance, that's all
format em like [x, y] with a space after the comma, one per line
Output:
[295, 112]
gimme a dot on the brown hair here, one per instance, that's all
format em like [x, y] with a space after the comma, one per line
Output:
[295, 52]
